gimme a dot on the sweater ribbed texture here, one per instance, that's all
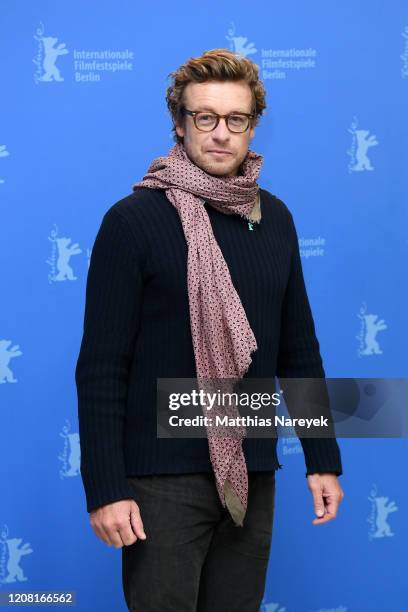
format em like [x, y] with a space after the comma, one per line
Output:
[137, 329]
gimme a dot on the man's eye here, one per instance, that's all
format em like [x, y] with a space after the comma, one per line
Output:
[237, 119]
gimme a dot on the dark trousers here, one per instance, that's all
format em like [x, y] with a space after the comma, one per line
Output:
[194, 558]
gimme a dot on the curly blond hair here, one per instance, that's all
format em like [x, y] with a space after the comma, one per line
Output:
[214, 65]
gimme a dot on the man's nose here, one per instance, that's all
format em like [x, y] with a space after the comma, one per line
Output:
[221, 132]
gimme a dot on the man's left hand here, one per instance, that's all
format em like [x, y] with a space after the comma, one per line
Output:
[327, 496]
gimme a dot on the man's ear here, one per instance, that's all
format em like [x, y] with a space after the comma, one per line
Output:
[179, 130]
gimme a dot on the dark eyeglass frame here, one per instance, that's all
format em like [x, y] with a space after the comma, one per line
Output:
[226, 117]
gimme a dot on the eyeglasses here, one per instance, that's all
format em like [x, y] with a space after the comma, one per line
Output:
[207, 122]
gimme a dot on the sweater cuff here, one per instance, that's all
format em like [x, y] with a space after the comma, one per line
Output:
[322, 455]
[108, 493]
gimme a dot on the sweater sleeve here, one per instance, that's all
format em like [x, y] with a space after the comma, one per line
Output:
[112, 308]
[299, 357]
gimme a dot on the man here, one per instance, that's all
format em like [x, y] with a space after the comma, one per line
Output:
[197, 273]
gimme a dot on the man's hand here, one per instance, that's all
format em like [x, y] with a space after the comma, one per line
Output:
[118, 524]
[327, 495]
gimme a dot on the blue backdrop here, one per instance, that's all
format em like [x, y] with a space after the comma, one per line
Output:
[82, 115]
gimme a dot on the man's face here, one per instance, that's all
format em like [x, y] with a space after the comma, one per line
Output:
[222, 98]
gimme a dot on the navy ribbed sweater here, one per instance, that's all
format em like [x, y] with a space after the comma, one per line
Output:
[137, 329]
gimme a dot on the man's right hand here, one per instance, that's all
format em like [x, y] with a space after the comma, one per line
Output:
[118, 524]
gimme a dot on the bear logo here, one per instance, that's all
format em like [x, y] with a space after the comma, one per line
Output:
[51, 53]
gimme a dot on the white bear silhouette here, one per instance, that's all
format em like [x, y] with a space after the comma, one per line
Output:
[3, 153]
[239, 43]
[364, 142]
[65, 271]
[6, 375]
[74, 455]
[372, 326]
[383, 510]
[15, 572]
[51, 53]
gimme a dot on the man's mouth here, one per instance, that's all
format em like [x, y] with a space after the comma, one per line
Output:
[219, 152]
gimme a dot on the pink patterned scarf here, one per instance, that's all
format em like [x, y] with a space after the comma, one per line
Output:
[222, 337]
